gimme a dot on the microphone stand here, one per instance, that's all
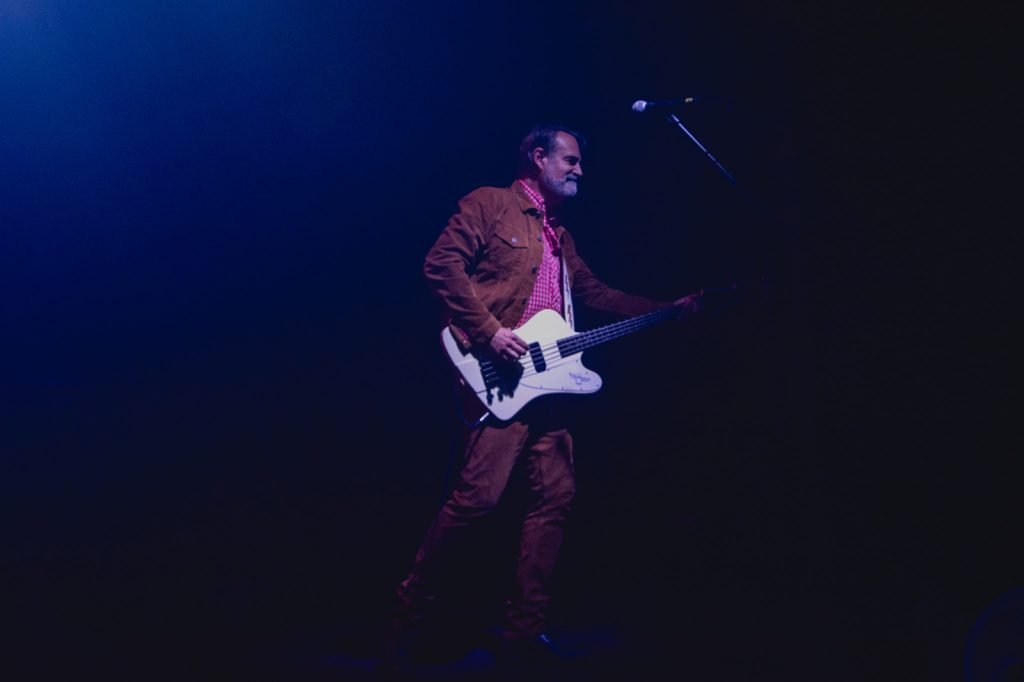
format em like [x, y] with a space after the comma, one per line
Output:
[752, 202]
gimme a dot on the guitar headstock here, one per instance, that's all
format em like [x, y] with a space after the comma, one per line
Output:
[718, 299]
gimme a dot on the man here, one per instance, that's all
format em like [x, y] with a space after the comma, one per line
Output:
[498, 262]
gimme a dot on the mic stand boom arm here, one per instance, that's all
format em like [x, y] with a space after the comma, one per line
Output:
[675, 119]
[751, 200]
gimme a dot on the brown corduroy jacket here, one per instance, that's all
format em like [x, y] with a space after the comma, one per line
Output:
[485, 263]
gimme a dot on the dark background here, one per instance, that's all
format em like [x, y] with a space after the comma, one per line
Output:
[226, 420]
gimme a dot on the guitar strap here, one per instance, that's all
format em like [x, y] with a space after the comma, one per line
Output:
[567, 296]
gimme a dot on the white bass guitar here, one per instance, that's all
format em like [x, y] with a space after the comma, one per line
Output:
[552, 364]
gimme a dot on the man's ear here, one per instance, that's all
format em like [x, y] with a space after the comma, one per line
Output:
[537, 155]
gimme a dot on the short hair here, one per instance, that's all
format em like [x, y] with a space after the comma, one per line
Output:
[543, 136]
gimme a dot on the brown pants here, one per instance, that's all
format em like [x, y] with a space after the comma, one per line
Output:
[490, 455]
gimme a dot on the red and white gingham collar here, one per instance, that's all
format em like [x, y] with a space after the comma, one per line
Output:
[536, 198]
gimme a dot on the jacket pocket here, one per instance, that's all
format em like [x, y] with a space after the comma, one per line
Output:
[507, 251]
[509, 236]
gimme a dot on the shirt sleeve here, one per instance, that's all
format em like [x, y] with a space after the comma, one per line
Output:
[450, 260]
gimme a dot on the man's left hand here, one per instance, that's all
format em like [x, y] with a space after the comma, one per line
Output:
[689, 303]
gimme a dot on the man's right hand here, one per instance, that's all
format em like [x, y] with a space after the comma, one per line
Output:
[507, 345]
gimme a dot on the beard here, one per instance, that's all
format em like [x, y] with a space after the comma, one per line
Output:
[563, 187]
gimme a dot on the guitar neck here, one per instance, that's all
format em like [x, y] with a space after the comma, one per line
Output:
[578, 343]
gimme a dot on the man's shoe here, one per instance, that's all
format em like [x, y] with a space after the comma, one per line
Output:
[401, 643]
[527, 653]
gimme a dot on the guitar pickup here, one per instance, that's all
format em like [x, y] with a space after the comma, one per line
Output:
[537, 355]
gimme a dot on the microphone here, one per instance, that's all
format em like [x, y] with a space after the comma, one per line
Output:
[641, 106]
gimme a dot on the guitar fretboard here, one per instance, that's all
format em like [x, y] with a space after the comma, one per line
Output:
[577, 343]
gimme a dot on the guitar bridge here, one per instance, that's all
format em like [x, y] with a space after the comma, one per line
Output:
[501, 377]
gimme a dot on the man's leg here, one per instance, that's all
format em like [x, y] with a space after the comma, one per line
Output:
[491, 453]
[549, 471]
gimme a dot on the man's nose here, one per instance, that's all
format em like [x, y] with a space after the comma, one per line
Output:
[578, 169]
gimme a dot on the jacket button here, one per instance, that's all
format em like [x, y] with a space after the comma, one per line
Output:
[535, 269]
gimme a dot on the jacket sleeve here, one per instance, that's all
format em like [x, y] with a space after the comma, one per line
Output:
[452, 258]
[591, 291]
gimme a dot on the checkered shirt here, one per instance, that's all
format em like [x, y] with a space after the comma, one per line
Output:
[547, 290]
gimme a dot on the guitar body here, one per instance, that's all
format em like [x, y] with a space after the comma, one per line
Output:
[504, 388]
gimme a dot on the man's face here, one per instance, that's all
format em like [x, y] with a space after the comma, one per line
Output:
[560, 170]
